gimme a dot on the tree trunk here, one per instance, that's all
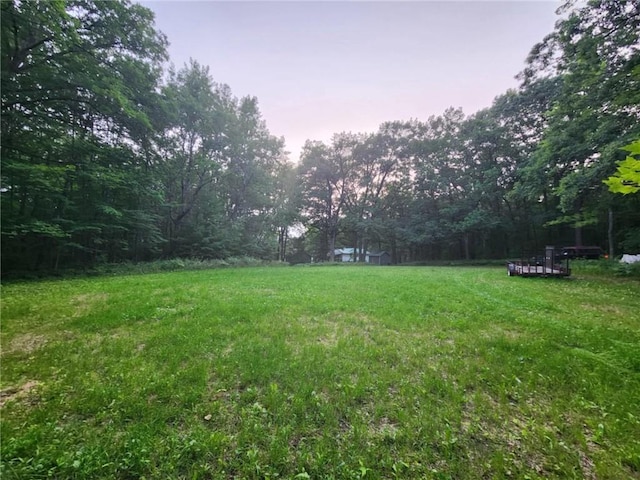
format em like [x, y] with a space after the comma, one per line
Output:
[394, 251]
[281, 243]
[610, 234]
[332, 247]
[363, 253]
[467, 255]
[284, 246]
[355, 247]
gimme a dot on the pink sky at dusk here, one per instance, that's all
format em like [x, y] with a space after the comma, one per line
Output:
[319, 68]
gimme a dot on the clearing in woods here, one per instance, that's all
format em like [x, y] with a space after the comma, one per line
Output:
[321, 372]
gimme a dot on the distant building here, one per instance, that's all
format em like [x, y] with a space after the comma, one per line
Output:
[349, 255]
[344, 255]
[379, 258]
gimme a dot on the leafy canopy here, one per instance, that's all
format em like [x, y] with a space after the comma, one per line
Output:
[627, 177]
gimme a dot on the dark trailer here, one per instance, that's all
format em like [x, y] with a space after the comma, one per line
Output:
[551, 264]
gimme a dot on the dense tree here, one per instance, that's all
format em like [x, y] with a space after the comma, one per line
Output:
[220, 169]
[323, 186]
[595, 53]
[439, 187]
[77, 86]
[100, 162]
[381, 166]
[250, 178]
[287, 204]
[395, 141]
[627, 177]
[192, 152]
[626, 181]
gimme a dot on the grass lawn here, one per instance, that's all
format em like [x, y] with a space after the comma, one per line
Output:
[321, 372]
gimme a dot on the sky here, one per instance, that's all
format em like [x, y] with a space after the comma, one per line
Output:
[319, 68]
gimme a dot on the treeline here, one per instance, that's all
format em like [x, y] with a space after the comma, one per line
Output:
[108, 157]
[507, 180]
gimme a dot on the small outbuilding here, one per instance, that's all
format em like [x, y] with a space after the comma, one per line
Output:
[379, 258]
[349, 255]
[344, 255]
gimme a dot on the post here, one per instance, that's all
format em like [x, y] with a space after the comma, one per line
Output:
[548, 258]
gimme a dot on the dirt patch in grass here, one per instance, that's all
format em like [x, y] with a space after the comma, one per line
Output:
[85, 302]
[346, 327]
[488, 433]
[383, 429]
[587, 466]
[607, 308]
[496, 331]
[327, 331]
[586, 463]
[25, 343]
[17, 393]
[330, 338]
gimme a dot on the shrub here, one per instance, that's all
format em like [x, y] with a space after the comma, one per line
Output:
[605, 268]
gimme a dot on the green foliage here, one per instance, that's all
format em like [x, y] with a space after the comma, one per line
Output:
[627, 177]
[106, 158]
[178, 264]
[605, 268]
[627, 270]
[76, 77]
[103, 163]
[427, 372]
[594, 54]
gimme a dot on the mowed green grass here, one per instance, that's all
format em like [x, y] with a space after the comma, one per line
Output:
[323, 372]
